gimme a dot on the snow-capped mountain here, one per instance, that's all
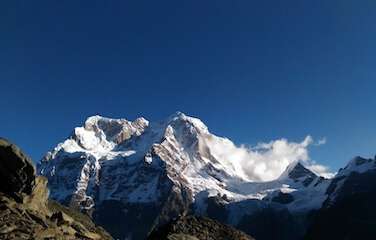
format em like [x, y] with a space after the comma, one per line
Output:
[349, 210]
[107, 147]
[340, 184]
[124, 172]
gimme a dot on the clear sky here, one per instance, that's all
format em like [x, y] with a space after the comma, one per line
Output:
[251, 70]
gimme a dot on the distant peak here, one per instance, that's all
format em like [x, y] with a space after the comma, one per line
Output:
[358, 164]
[296, 170]
[101, 121]
[141, 121]
[97, 119]
[177, 115]
[358, 160]
[93, 119]
[98, 129]
[181, 117]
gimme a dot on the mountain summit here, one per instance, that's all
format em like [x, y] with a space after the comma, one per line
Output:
[142, 174]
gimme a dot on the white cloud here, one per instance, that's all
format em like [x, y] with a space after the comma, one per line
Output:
[321, 141]
[267, 161]
[320, 170]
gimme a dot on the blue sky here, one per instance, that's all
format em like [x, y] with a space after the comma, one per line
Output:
[252, 71]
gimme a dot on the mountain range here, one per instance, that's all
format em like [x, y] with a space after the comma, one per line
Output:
[136, 177]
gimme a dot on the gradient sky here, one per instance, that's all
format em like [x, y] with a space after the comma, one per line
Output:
[251, 70]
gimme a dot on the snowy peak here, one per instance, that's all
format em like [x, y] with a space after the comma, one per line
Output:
[178, 119]
[180, 148]
[300, 171]
[359, 165]
[115, 130]
[297, 170]
[98, 136]
[355, 177]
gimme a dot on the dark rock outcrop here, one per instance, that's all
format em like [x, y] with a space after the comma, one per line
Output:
[17, 173]
[25, 210]
[271, 223]
[283, 198]
[196, 228]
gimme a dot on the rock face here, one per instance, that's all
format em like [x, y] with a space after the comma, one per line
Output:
[25, 210]
[17, 173]
[196, 228]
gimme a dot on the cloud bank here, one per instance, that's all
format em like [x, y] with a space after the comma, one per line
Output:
[267, 161]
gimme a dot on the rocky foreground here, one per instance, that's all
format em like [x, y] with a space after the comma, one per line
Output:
[25, 210]
[197, 228]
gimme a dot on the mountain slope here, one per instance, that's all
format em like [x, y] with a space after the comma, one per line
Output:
[131, 176]
[349, 211]
[287, 205]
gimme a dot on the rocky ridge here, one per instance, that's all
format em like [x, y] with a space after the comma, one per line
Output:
[196, 228]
